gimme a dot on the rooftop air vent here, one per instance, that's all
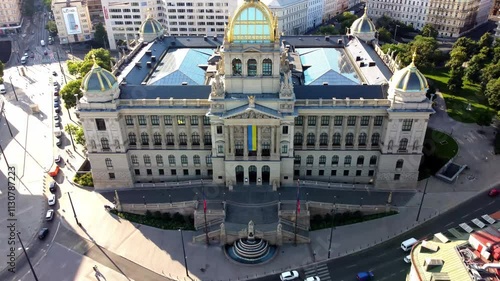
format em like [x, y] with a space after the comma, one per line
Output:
[153, 58]
[358, 58]
[325, 83]
[361, 64]
[143, 83]
[148, 64]
[215, 38]
[138, 64]
[149, 52]
[340, 41]
[184, 83]
[364, 83]
[327, 38]
[205, 38]
[372, 63]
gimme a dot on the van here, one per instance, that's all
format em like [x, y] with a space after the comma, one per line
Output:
[2, 89]
[408, 244]
[42, 43]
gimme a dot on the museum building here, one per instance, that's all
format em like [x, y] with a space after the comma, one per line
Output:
[256, 108]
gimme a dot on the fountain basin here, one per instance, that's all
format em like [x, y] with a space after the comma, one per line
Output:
[251, 251]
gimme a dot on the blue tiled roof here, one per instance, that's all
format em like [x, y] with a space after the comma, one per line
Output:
[181, 65]
[327, 65]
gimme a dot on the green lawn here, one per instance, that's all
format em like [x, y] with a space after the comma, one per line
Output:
[438, 149]
[456, 104]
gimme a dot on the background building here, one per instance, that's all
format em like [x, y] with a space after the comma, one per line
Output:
[10, 16]
[451, 19]
[292, 15]
[314, 13]
[95, 11]
[73, 21]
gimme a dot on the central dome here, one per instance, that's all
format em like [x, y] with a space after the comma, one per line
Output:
[253, 22]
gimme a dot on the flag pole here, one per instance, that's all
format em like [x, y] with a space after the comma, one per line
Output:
[205, 211]
[297, 210]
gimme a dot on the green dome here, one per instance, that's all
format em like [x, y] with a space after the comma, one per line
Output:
[363, 24]
[409, 79]
[98, 79]
[151, 26]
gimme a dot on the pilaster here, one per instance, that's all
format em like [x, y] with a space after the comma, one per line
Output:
[344, 132]
[259, 143]
[318, 132]
[176, 131]
[189, 132]
[245, 147]
[370, 132]
[356, 133]
[330, 132]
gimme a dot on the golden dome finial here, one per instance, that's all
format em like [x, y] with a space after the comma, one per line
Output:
[94, 59]
[366, 10]
[413, 57]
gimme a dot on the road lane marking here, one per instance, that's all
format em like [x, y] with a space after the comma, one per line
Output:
[477, 210]
[352, 265]
[381, 255]
[451, 223]
[492, 202]
[464, 216]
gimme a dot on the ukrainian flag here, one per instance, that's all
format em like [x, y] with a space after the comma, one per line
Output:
[252, 138]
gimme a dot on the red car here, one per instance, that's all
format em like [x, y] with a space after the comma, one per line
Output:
[494, 192]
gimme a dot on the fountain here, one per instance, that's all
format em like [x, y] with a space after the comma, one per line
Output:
[251, 250]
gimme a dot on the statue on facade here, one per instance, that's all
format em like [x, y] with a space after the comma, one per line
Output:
[251, 101]
[251, 229]
[217, 86]
[286, 88]
[220, 65]
[117, 144]
[284, 63]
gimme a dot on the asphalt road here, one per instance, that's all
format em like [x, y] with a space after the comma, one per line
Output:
[386, 259]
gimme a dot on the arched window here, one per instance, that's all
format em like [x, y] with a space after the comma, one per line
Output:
[132, 139]
[196, 160]
[298, 139]
[309, 160]
[375, 139]
[322, 160]
[147, 160]
[144, 138]
[157, 138]
[182, 139]
[336, 139]
[195, 138]
[207, 138]
[105, 144]
[399, 164]
[362, 139]
[335, 160]
[236, 67]
[373, 160]
[311, 139]
[184, 160]
[323, 139]
[361, 160]
[267, 67]
[252, 67]
[403, 144]
[349, 139]
[159, 160]
[170, 138]
[109, 163]
[134, 159]
[347, 160]
[171, 160]
[297, 159]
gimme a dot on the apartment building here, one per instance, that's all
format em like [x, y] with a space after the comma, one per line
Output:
[95, 11]
[314, 13]
[292, 15]
[450, 18]
[10, 16]
[73, 21]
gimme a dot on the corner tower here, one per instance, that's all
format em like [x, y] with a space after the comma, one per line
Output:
[363, 28]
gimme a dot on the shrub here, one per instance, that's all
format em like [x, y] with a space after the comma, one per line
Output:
[178, 218]
[166, 216]
[148, 214]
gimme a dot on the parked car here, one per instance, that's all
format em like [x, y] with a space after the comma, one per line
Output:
[51, 200]
[289, 275]
[43, 233]
[365, 276]
[56, 117]
[56, 93]
[56, 84]
[57, 159]
[312, 278]
[59, 144]
[53, 187]
[49, 215]
[407, 259]
[494, 192]
[57, 109]
[54, 171]
[54, 73]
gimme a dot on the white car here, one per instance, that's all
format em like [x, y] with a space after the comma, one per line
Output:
[50, 215]
[289, 275]
[312, 278]
[52, 200]
[407, 259]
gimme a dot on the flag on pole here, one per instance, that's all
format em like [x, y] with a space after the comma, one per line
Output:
[252, 137]
[298, 196]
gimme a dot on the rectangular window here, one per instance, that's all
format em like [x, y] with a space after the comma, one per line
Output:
[185, 172]
[197, 172]
[111, 176]
[321, 173]
[284, 149]
[161, 172]
[129, 120]
[101, 125]
[371, 173]
[309, 173]
[173, 172]
[181, 120]
[333, 173]
[220, 149]
[155, 120]
[299, 120]
[194, 120]
[167, 119]
[378, 121]
[142, 120]
[365, 120]
[219, 130]
[137, 172]
[407, 123]
[206, 120]
[346, 173]
[149, 172]
[325, 120]
[338, 120]
[351, 121]
[210, 172]
[284, 130]
[311, 121]
[397, 177]
[208, 160]
[358, 173]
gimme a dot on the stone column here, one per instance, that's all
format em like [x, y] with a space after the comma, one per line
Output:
[189, 132]
[176, 131]
[245, 145]
[259, 142]
[201, 130]
[232, 139]
[149, 130]
[163, 133]
[370, 132]
[356, 132]
[305, 126]
[318, 132]
[330, 132]
[273, 141]
[344, 132]
[226, 141]
[278, 140]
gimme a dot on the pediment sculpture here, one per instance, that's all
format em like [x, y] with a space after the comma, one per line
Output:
[217, 86]
[251, 115]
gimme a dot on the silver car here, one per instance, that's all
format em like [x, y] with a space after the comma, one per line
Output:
[49, 215]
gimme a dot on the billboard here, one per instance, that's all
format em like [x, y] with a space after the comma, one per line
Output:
[71, 20]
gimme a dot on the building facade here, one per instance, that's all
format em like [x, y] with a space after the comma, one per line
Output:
[10, 16]
[256, 108]
[72, 20]
[95, 11]
[292, 15]
[314, 13]
[451, 19]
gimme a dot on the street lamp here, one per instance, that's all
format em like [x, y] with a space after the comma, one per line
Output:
[395, 31]
[334, 210]
[184, 252]
[422, 201]
[7, 122]
[27, 257]
[73, 208]
[13, 89]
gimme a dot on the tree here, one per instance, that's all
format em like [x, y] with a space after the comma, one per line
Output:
[28, 8]
[1, 69]
[426, 49]
[490, 72]
[328, 30]
[73, 67]
[384, 35]
[493, 92]
[469, 45]
[486, 41]
[68, 93]
[384, 21]
[101, 55]
[77, 132]
[456, 82]
[51, 27]
[458, 56]
[474, 67]
[346, 19]
[429, 31]
[100, 35]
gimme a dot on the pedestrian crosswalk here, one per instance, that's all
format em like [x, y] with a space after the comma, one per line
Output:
[320, 270]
